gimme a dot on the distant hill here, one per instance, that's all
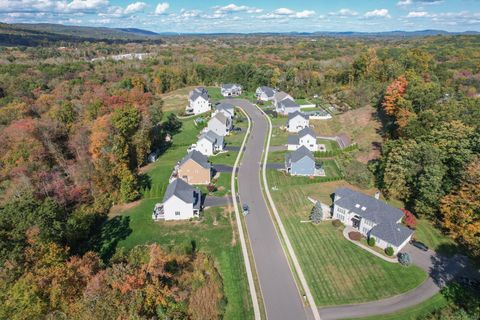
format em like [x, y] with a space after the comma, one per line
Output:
[45, 34]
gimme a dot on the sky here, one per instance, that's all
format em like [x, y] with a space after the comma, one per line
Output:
[200, 16]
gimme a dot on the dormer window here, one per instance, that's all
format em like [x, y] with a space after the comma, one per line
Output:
[357, 206]
[364, 208]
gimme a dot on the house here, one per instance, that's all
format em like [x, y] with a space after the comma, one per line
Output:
[220, 124]
[198, 101]
[279, 97]
[181, 201]
[231, 89]
[305, 138]
[194, 168]
[297, 121]
[265, 93]
[372, 218]
[287, 106]
[209, 143]
[300, 162]
[226, 108]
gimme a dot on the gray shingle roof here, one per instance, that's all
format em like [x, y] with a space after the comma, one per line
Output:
[198, 157]
[299, 154]
[288, 103]
[212, 137]
[268, 91]
[229, 86]
[375, 210]
[306, 131]
[293, 140]
[297, 113]
[197, 93]
[182, 190]
[279, 96]
[221, 118]
[225, 106]
[392, 233]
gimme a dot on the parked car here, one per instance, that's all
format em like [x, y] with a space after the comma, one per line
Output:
[419, 245]
[245, 210]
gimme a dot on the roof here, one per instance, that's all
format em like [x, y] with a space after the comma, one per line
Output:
[293, 140]
[289, 103]
[393, 233]
[197, 93]
[270, 92]
[367, 207]
[198, 157]
[225, 106]
[299, 154]
[228, 86]
[296, 114]
[306, 131]
[212, 137]
[221, 118]
[181, 190]
[279, 96]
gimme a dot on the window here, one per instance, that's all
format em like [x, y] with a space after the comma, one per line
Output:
[340, 210]
[365, 230]
[177, 213]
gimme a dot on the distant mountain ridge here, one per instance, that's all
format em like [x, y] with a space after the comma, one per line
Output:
[38, 34]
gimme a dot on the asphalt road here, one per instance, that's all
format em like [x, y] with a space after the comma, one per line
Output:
[281, 297]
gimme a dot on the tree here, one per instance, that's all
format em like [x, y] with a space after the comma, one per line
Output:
[172, 125]
[409, 219]
[460, 210]
[316, 216]
[404, 259]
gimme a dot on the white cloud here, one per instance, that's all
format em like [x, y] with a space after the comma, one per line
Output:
[287, 13]
[305, 14]
[135, 7]
[344, 13]
[417, 14]
[86, 4]
[377, 13]
[284, 11]
[231, 8]
[405, 3]
[162, 8]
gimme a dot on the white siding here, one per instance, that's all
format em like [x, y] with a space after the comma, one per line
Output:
[176, 209]
[205, 147]
[200, 105]
[309, 142]
[296, 124]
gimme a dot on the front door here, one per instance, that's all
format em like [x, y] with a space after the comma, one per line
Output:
[356, 222]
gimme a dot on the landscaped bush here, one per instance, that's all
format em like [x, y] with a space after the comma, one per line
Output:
[404, 259]
[337, 223]
[211, 188]
[316, 215]
[389, 251]
[409, 219]
[355, 235]
[371, 242]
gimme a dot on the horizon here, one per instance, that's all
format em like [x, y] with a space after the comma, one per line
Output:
[245, 17]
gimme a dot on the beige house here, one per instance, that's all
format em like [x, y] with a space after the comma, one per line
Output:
[194, 168]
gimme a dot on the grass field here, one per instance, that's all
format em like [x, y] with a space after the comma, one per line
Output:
[279, 137]
[329, 144]
[434, 239]
[417, 312]
[215, 233]
[337, 271]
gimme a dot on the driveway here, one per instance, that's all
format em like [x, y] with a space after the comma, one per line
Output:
[275, 166]
[211, 201]
[440, 269]
[281, 297]
[222, 168]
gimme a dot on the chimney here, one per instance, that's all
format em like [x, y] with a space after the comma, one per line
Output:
[377, 195]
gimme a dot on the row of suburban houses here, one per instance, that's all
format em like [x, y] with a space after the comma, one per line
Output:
[199, 100]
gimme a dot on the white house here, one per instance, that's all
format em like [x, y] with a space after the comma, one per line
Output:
[198, 101]
[220, 124]
[297, 121]
[305, 137]
[180, 202]
[209, 143]
[231, 90]
[265, 93]
[226, 108]
[372, 218]
[279, 97]
[287, 106]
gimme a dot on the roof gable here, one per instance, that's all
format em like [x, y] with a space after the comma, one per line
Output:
[295, 114]
[197, 157]
[299, 154]
[181, 190]
[307, 131]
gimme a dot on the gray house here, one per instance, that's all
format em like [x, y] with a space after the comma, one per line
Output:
[230, 89]
[372, 218]
[288, 106]
[220, 124]
[265, 93]
[226, 108]
[300, 162]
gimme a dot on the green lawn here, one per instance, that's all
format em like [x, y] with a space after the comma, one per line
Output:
[330, 145]
[214, 233]
[222, 184]
[338, 272]
[417, 312]
[434, 239]
[277, 156]
[279, 137]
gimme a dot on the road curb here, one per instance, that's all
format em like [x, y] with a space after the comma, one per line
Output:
[283, 232]
[243, 244]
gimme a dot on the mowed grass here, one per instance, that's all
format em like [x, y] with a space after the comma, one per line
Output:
[417, 312]
[338, 272]
[434, 238]
[215, 233]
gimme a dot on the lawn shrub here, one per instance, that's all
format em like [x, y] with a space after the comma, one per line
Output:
[211, 188]
[404, 259]
[355, 235]
[389, 251]
[371, 242]
[337, 223]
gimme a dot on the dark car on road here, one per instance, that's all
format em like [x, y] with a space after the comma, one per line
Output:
[245, 210]
[419, 245]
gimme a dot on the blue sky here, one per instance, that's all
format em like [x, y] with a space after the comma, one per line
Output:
[250, 16]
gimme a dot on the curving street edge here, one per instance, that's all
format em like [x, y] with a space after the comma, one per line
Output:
[248, 267]
[283, 232]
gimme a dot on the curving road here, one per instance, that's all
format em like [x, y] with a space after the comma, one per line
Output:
[280, 294]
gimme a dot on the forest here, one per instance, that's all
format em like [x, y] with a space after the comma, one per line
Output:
[75, 134]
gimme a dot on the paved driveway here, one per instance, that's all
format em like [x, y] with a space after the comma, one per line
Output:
[216, 201]
[280, 294]
[222, 168]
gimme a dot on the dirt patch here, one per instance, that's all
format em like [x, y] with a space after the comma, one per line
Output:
[118, 209]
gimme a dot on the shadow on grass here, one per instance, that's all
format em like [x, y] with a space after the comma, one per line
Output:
[111, 233]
